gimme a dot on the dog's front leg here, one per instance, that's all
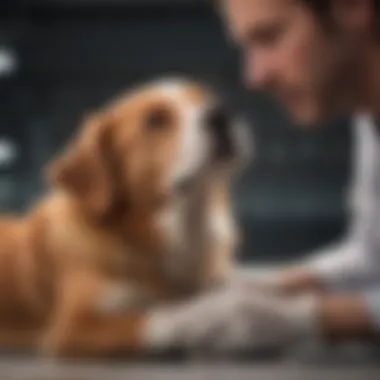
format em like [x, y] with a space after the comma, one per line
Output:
[93, 318]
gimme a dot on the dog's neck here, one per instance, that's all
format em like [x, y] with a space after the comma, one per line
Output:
[174, 238]
[184, 224]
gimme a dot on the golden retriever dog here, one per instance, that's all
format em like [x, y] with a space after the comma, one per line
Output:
[137, 215]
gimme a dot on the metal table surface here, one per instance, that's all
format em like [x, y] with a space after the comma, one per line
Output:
[354, 363]
[22, 369]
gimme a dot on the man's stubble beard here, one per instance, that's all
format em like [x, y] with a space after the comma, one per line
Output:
[343, 90]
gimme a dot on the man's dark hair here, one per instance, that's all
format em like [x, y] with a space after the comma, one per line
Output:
[322, 8]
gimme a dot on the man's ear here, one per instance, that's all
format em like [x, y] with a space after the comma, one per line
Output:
[355, 16]
[83, 169]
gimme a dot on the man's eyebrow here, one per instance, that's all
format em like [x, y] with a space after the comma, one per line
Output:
[261, 31]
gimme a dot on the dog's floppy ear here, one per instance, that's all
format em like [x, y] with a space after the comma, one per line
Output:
[83, 169]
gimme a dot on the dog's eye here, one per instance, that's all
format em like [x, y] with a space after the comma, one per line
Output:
[158, 119]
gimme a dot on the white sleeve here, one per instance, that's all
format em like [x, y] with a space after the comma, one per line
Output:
[355, 259]
[340, 265]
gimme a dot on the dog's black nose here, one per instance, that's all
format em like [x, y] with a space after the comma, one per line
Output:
[219, 122]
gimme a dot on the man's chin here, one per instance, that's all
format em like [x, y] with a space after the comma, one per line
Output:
[309, 115]
[309, 120]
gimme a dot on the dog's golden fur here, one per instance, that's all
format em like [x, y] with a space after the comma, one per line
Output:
[95, 233]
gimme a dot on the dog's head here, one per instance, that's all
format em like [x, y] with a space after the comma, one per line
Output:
[147, 146]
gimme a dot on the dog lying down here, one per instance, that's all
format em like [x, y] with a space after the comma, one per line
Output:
[137, 216]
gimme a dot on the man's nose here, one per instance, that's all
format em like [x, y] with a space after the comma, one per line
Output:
[258, 72]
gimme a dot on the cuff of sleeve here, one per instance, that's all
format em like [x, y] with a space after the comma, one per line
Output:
[337, 268]
[330, 275]
[372, 301]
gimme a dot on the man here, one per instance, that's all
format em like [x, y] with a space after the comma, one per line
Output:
[321, 59]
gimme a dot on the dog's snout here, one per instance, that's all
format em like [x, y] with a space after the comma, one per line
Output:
[219, 122]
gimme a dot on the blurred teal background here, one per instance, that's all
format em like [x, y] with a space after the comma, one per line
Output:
[59, 59]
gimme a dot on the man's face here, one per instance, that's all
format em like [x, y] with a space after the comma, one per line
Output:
[313, 69]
